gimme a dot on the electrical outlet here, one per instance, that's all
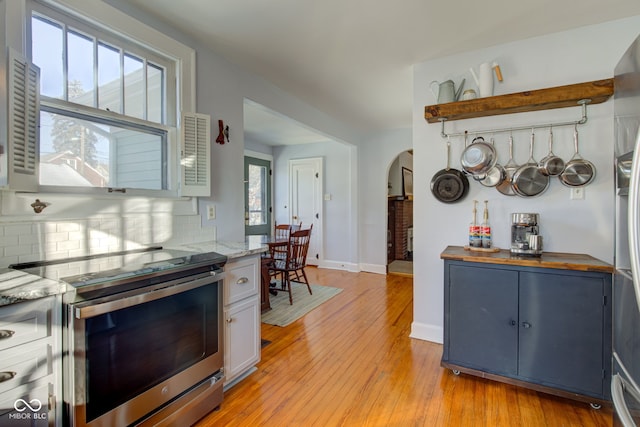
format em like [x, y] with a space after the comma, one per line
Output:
[211, 211]
[577, 193]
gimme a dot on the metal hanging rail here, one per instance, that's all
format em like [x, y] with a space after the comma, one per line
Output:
[583, 120]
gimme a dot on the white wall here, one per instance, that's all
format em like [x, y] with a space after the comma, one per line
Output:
[582, 226]
[258, 147]
[376, 155]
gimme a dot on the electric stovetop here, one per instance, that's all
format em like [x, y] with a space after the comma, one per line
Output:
[94, 272]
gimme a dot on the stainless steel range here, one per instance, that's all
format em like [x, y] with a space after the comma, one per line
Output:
[143, 336]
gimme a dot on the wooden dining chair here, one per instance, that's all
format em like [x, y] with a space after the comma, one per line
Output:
[281, 231]
[293, 264]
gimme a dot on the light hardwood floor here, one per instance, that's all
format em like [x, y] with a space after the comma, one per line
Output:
[350, 362]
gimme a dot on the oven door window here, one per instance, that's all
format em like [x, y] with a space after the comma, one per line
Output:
[128, 351]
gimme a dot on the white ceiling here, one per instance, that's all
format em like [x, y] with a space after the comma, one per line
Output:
[268, 127]
[352, 59]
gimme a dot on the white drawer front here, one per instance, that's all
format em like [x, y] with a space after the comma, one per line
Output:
[34, 406]
[25, 322]
[242, 279]
[24, 364]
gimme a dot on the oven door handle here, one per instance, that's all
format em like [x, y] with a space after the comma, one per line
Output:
[88, 309]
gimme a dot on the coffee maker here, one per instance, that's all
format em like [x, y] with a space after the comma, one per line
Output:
[525, 237]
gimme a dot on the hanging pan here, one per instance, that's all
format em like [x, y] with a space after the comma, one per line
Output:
[478, 157]
[578, 171]
[449, 185]
[495, 176]
[551, 165]
[505, 186]
[528, 181]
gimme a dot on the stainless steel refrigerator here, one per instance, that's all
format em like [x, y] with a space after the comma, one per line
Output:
[625, 382]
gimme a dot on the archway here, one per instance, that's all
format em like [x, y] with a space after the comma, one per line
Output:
[400, 215]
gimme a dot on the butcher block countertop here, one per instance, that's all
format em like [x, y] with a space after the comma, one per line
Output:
[558, 260]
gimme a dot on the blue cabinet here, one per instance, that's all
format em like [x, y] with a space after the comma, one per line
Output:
[546, 329]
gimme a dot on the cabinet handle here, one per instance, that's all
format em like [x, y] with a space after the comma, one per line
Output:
[526, 325]
[242, 281]
[7, 375]
[52, 410]
[513, 322]
[6, 333]
[230, 319]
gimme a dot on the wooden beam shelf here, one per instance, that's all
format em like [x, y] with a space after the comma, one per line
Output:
[541, 99]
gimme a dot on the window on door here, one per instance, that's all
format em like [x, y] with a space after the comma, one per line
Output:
[257, 177]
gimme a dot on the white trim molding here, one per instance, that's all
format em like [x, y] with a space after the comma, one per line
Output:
[427, 332]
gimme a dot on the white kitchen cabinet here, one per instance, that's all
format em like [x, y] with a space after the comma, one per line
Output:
[241, 317]
[30, 365]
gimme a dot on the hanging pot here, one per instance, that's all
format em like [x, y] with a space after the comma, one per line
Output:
[551, 165]
[495, 175]
[449, 185]
[478, 157]
[577, 172]
[505, 187]
[528, 181]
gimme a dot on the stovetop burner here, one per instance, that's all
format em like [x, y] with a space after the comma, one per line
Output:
[95, 272]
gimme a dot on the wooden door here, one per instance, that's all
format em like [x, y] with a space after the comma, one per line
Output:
[305, 201]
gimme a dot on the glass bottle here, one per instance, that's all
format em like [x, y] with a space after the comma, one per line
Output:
[485, 227]
[475, 240]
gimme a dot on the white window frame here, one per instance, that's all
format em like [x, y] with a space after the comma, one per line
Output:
[111, 20]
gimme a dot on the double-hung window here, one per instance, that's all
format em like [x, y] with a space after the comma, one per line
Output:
[109, 109]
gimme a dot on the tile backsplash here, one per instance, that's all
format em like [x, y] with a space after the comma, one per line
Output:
[25, 241]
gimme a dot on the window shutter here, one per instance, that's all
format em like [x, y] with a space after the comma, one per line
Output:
[195, 155]
[23, 123]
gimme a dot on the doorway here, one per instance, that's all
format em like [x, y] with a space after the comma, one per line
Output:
[400, 215]
[257, 196]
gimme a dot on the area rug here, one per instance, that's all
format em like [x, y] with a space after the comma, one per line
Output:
[282, 313]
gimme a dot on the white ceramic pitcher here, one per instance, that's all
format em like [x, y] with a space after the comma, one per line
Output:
[484, 79]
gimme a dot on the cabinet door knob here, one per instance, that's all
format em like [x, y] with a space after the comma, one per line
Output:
[526, 325]
[513, 322]
[230, 319]
[7, 375]
[6, 333]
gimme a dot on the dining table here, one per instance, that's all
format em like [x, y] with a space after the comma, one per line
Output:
[274, 245]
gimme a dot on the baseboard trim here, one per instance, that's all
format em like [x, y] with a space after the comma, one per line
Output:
[339, 265]
[426, 332]
[374, 268]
